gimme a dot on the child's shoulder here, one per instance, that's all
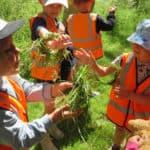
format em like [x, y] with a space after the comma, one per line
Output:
[70, 16]
[37, 18]
[93, 15]
[125, 54]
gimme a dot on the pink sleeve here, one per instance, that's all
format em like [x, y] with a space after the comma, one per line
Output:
[131, 146]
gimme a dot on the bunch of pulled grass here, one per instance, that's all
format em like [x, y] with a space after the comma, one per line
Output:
[49, 56]
[78, 98]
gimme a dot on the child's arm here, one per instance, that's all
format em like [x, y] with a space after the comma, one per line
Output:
[101, 70]
[112, 9]
[42, 32]
[106, 25]
[137, 98]
[86, 58]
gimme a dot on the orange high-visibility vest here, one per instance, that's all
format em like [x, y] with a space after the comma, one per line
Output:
[18, 106]
[120, 111]
[84, 35]
[38, 71]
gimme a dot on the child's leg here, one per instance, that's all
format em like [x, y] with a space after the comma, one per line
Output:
[64, 70]
[119, 136]
[47, 144]
[67, 66]
[55, 131]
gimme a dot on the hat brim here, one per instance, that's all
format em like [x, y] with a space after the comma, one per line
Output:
[57, 2]
[10, 28]
[135, 38]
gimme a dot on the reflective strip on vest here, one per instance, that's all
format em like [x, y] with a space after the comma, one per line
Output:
[126, 68]
[90, 35]
[130, 110]
[120, 111]
[88, 39]
[16, 106]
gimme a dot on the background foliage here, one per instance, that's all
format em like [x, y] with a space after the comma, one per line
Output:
[129, 13]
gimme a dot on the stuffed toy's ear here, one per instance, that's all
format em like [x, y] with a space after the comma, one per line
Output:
[139, 124]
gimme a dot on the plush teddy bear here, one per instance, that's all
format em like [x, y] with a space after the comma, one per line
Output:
[141, 127]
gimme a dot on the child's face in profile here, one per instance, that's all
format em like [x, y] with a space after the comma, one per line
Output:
[9, 57]
[140, 53]
[53, 10]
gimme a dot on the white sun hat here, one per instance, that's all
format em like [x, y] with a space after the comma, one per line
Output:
[8, 28]
[142, 34]
[62, 2]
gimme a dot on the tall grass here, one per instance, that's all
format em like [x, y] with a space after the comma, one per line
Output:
[129, 13]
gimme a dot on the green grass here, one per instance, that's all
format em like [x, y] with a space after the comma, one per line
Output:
[99, 133]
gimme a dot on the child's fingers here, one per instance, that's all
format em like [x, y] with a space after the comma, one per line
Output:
[67, 44]
[84, 51]
[78, 54]
[65, 37]
[70, 114]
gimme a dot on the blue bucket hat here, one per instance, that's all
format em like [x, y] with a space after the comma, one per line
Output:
[142, 34]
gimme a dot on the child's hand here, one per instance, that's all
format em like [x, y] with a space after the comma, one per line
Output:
[112, 9]
[59, 43]
[84, 57]
[64, 113]
[59, 88]
[121, 92]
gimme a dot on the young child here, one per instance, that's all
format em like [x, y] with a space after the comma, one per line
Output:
[130, 96]
[16, 133]
[40, 25]
[84, 27]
